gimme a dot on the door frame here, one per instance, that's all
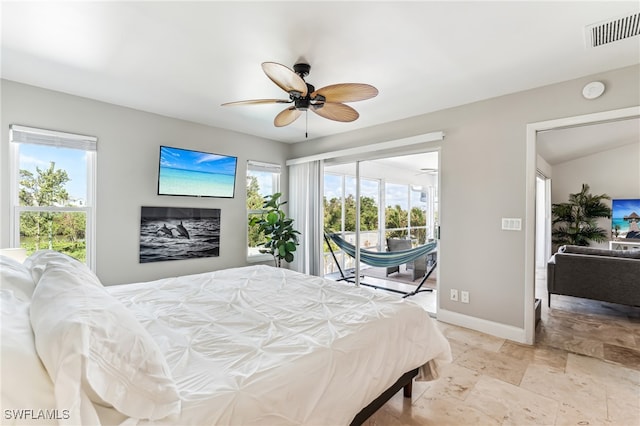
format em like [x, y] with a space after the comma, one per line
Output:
[377, 156]
[530, 197]
[543, 218]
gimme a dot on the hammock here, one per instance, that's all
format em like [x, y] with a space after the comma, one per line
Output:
[383, 258]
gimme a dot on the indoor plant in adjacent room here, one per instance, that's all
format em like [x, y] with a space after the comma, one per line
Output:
[575, 222]
[281, 238]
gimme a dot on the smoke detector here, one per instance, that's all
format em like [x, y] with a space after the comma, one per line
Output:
[593, 90]
[606, 32]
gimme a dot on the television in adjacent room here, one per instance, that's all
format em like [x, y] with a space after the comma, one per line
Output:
[625, 219]
[195, 173]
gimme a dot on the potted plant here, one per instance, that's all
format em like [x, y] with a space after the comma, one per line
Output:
[577, 218]
[281, 238]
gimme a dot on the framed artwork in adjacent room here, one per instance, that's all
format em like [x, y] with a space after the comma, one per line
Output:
[625, 219]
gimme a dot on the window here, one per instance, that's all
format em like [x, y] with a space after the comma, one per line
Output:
[53, 192]
[340, 215]
[396, 210]
[418, 214]
[407, 212]
[262, 179]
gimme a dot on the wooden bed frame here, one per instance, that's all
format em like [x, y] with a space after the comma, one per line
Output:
[405, 381]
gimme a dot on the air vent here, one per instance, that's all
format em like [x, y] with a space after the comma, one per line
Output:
[613, 30]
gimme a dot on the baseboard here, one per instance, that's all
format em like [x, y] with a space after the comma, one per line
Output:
[484, 326]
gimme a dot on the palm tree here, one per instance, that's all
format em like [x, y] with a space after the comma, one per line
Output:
[577, 218]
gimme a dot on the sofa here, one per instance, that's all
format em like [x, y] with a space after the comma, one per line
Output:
[593, 273]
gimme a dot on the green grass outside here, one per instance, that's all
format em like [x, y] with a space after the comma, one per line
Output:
[77, 250]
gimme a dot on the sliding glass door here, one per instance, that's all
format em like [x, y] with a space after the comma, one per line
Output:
[340, 213]
[396, 201]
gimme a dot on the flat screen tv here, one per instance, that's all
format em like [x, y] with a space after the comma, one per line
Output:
[625, 219]
[196, 173]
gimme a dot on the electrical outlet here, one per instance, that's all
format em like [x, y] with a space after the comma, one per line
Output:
[464, 296]
[454, 294]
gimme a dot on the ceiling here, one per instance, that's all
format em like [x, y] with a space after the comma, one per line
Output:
[561, 145]
[416, 169]
[184, 59]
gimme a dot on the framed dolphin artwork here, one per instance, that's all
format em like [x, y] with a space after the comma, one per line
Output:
[175, 233]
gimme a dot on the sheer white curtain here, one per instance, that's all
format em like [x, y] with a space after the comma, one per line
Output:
[305, 208]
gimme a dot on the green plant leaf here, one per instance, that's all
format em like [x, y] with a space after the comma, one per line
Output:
[272, 218]
[575, 221]
[281, 238]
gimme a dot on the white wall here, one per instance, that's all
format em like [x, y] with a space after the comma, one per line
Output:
[483, 179]
[544, 167]
[128, 149]
[615, 172]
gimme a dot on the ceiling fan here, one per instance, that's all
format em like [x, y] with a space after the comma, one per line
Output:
[327, 102]
[427, 171]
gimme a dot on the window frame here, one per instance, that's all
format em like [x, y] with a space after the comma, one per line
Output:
[344, 261]
[276, 172]
[88, 144]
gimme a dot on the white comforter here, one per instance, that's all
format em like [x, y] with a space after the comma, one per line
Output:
[265, 346]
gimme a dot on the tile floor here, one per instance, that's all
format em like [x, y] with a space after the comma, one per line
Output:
[583, 370]
[427, 299]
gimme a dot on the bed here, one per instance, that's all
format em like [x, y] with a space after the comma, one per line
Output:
[252, 345]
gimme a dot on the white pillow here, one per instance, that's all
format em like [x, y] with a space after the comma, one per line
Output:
[93, 346]
[17, 253]
[15, 276]
[25, 383]
[38, 261]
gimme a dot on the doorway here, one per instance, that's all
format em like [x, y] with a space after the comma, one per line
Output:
[532, 162]
[543, 234]
[398, 199]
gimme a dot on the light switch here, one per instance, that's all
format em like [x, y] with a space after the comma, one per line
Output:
[511, 223]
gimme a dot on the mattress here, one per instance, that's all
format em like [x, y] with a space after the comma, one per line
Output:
[261, 345]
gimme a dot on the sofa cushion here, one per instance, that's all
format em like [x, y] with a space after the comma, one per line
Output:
[629, 254]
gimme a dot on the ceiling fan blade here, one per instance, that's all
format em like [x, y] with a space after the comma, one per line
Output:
[258, 102]
[346, 92]
[286, 117]
[336, 111]
[285, 78]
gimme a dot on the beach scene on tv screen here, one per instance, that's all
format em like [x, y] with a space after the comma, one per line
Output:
[195, 173]
[625, 219]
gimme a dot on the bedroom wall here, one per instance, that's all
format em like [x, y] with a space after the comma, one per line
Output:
[128, 147]
[483, 162]
[482, 180]
[615, 172]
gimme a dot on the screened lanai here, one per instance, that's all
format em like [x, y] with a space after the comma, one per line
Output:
[398, 200]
